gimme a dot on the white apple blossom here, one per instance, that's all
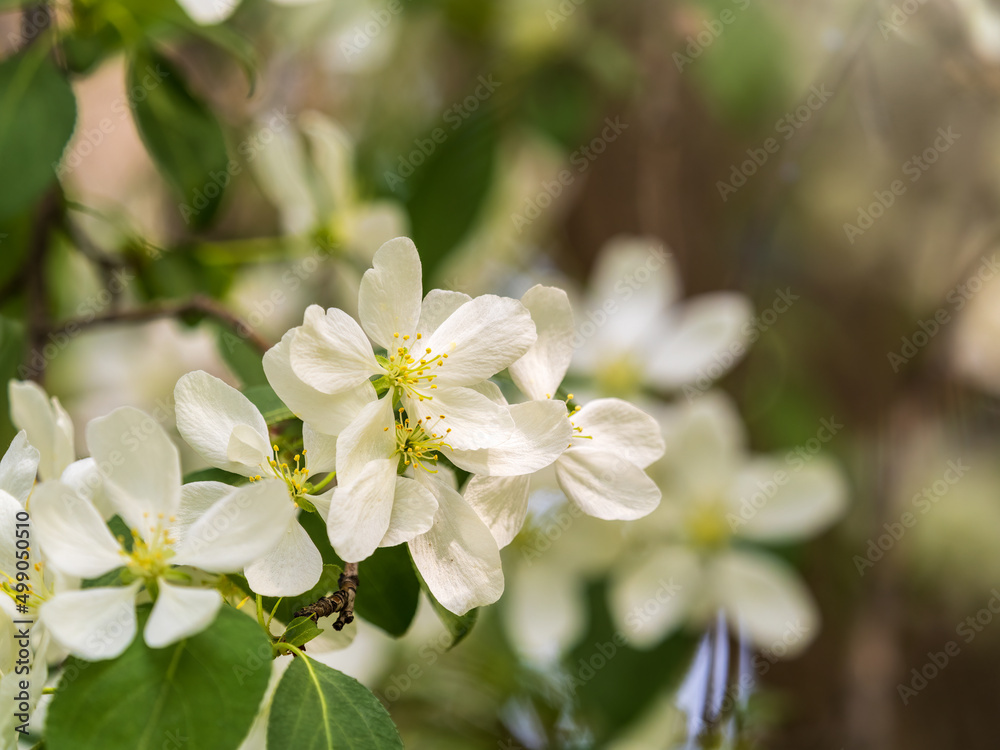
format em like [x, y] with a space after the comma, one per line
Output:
[637, 333]
[229, 432]
[170, 529]
[720, 501]
[602, 468]
[50, 430]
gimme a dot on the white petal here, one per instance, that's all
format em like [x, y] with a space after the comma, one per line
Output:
[47, 425]
[651, 596]
[706, 445]
[238, 529]
[143, 467]
[540, 371]
[481, 338]
[546, 612]
[208, 411]
[207, 12]
[389, 298]
[331, 353]
[72, 533]
[413, 511]
[320, 450]
[502, 503]
[708, 337]
[85, 478]
[9, 511]
[180, 612]
[196, 499]
[767, 598]
[93, 624]
[491, 390]
[473, 420]
[438, 305]
[327, 413]
[542, 431]
[371, 436]
[291, 567]
[621, 429]
[771, 502]
[360, 510]
[606, 486]
[19, 467]
[458, 558]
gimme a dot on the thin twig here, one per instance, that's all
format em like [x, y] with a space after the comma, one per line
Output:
[341, 601]
[197, 304]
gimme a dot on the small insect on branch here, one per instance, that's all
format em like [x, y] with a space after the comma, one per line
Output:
[341, 601]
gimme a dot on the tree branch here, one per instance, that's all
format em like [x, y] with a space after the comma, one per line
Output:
[341, 601]
[197, 304]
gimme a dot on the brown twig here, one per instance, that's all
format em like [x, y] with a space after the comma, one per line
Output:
[341, 601]
[197, 304]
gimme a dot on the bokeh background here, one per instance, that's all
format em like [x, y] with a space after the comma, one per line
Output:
[842, 154]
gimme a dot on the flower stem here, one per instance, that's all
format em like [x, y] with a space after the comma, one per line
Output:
[324, 483]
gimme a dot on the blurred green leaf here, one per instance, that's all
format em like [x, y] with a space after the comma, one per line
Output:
[448, 191]
[11, 355]
[318, 708]
[212, 474]
[264, 398]
[300, 631]
[242, 358]
[458, 625]
[181, 133]
[37, 118]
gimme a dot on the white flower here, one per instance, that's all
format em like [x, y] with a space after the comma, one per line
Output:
[688, 562]
[50, 430]
[168, 529]
[209, 12]
[637, 333]
[439, 352]
[602, 469]
[229, 432]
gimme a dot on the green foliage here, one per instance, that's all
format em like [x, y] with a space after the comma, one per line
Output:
[212, 474]
[243, 359]
[201, 689]
[11, 354]
[37, 107]
[318, 708]
[181, 134]
[300, 631]
[264, 398]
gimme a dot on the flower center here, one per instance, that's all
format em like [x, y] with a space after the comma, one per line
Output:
[619, 376]
[151, 554]
[411, 375]
[293, 476]
[706, 524]
[418, 444]
[37, 591]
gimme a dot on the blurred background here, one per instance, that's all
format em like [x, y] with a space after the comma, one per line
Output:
[165, 168]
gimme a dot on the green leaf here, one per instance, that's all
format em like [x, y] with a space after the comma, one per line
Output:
[212, 474]
[318, 708]
[264, 398]
[448, 191]
[11, 356]
[37, 118]
[615, 683]
[329, 582]
[205, 689]
[242, 357]
[388, 590]
[458, 625]
[181, 134]
[300, 631]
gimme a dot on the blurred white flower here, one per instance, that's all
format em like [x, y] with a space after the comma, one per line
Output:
[229, 432]
[49, 429]
[694, 556]
[636, 332]
[170, 528]
[309, 176]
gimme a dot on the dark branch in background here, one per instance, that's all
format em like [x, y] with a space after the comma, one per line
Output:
[198, 304]
[341, 601]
